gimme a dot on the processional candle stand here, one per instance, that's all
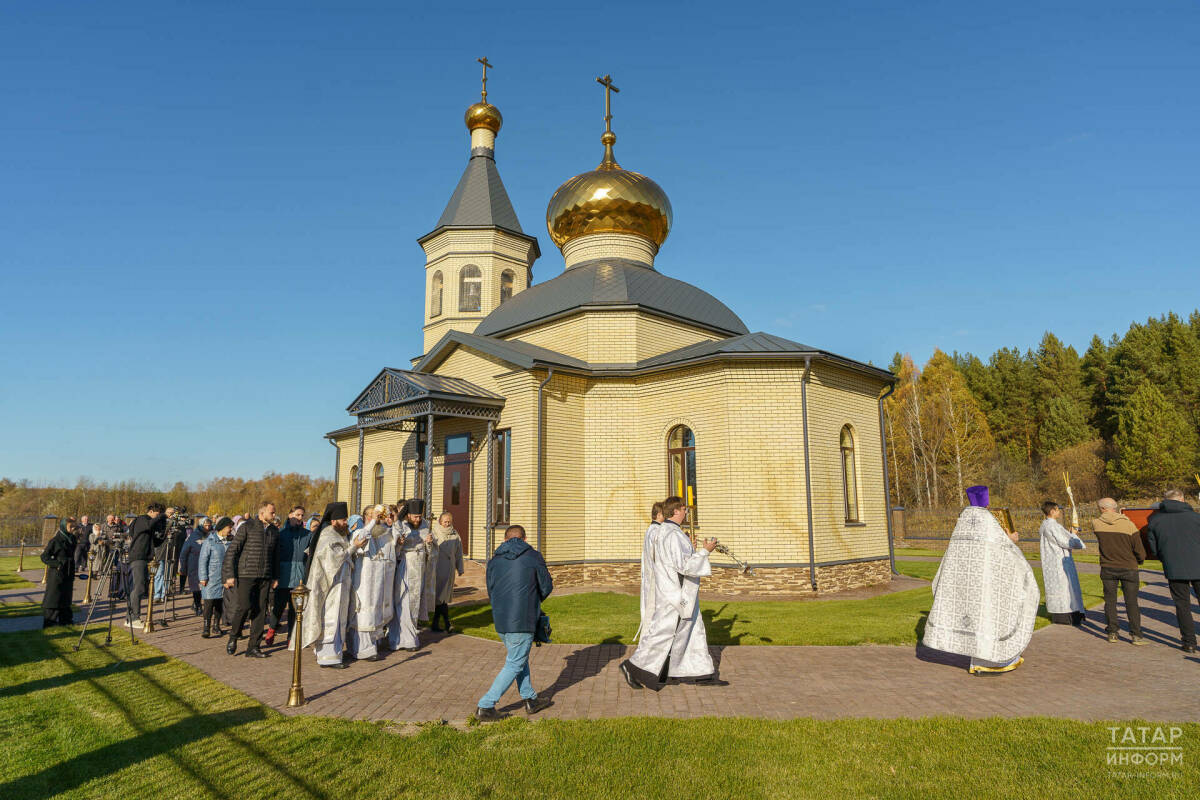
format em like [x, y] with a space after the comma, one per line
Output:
[87, 594]
[149, 626]
[295, 638]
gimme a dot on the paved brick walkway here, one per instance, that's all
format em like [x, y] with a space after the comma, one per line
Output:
[1068, 673]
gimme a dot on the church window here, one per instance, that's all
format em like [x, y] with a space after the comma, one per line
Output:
[849, 475]
[506, 284]
[681, 463]
[502, 452]
[377, 487]
[353, 485]
[470, 288]
[435, 295]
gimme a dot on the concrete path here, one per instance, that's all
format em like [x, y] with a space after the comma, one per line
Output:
[1068, 673]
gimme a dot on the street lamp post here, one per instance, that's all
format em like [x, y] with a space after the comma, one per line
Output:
[295, 640]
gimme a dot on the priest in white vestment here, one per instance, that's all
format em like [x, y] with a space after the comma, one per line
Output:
[985, 598]
[412, 540]
[329, 583]
[673, 644]
[1064, 597]
[648, 542]
[374, 573]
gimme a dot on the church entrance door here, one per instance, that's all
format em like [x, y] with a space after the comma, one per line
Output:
[457, 494]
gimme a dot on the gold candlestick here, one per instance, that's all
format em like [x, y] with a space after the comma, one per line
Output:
[295, 637]
[149, 626]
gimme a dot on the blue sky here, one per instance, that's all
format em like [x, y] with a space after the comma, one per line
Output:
[208, 211]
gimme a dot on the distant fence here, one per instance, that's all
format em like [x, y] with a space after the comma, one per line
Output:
[922, 527]
[15, 528]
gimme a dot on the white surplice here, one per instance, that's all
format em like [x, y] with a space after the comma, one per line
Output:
[409, 585]
[985, 598]
[374, 577]
[329, 582]
[675, 629]
[1063, 593]
[647, 597]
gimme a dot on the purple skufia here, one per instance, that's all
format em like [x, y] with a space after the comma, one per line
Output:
[977, 496]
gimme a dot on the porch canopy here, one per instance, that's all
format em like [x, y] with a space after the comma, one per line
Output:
[404, 400]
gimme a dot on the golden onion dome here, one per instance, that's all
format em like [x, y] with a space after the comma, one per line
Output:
[484, 115]
[609, 199]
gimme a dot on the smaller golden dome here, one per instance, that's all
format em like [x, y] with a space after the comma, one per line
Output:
[609, 199]
[484, 115]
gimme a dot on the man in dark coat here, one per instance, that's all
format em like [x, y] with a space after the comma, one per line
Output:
[289, 571]
[81, 545]
[59, 558]
[1173, 533]
[145, 534]
[517, 583]
[248, 569]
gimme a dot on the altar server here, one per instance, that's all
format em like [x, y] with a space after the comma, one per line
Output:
[413, 541]
[647, 600]
[985, 598]
[329, 580]
[374, 573]
[673, 644]
[1064, 597]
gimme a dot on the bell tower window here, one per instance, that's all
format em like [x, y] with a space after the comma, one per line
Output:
[470, 288]
[506, 284]
[435, 295]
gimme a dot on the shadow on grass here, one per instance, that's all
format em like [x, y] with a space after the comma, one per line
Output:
[472, 617]
[719, 627]
[66, 679]
[74, 772]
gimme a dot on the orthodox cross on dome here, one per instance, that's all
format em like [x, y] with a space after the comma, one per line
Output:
[486, 67]
[607, 83]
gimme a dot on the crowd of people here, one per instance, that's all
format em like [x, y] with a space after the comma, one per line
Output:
[985, 596]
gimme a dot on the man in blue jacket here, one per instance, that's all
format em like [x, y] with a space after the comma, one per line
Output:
[517, 583]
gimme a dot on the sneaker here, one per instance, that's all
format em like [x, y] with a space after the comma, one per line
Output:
[1137, 640]
[535, 705]
[1113, 638]
[1189, 648]
[487, 714]
[137, 623]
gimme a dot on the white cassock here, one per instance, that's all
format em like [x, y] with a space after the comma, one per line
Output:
[428, 581]
[408, 587]
[374, 575]
[675, 629]
[647, 604]
[985, 598]
[329, 602]
[1063, 594]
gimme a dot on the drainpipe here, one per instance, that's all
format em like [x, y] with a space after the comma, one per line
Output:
[541, 425]
[887, 503]
[812, 552]
[337, 465]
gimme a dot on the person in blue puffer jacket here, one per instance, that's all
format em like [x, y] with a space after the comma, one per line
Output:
[212, 590]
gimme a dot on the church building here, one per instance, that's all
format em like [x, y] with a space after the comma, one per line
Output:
[572, 404]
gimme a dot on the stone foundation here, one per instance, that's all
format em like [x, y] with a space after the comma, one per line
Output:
[780, 582]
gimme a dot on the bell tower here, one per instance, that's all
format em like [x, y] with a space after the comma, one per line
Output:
[477, 256]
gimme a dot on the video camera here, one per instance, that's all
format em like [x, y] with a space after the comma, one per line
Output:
[179, 521]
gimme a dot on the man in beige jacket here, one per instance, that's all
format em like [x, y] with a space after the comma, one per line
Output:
[1121, 552]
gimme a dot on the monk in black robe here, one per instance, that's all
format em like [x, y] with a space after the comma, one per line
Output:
[59, 558]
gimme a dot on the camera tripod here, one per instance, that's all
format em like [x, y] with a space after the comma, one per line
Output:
[168, 558]
[104, 564]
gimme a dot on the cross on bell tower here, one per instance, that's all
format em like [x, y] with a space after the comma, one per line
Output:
[608, 139]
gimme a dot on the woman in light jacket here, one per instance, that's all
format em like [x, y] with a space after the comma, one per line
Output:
[208, 571]
[448, 559]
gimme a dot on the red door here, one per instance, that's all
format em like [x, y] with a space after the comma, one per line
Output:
[456, 497]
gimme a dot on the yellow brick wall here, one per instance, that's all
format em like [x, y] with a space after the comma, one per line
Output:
[613, 337]
[605, 458]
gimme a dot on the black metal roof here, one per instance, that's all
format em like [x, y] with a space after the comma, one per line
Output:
[396, 386]
[611, 282]
[480, 201]
[514, 351]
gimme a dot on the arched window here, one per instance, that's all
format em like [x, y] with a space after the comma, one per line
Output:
[849, 475]
[506, 284]
[435, 295]
[681, 466]
[353, 486]
[377, 486]
[470, 288]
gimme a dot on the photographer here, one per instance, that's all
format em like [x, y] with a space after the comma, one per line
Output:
[147, 532]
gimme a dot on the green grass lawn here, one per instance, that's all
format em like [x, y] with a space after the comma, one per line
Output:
[9, 579]
[897, 618]
[126, 721]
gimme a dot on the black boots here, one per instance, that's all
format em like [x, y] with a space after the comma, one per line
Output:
[231, 645]
[441, 611]
[207, 634]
